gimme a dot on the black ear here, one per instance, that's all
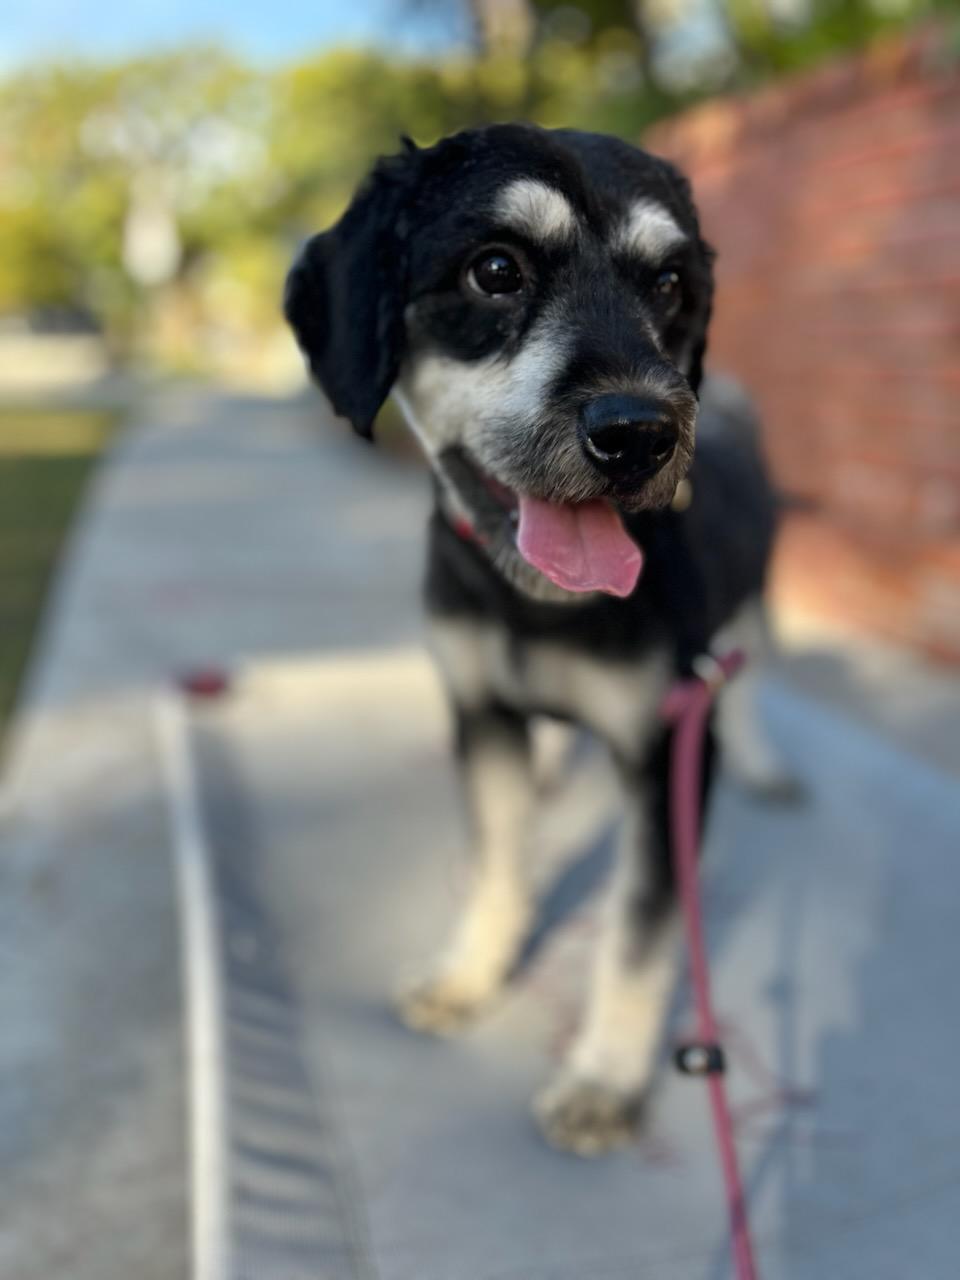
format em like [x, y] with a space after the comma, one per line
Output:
[346, 292]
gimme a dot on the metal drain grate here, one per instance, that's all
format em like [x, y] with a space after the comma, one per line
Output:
[274, 1196]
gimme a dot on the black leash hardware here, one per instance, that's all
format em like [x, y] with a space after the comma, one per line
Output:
[700, 1059]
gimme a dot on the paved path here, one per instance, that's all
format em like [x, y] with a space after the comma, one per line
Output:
[219, 531]
[234, 532]
[835, 958]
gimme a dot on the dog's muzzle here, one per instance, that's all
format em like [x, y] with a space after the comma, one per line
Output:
[628, 438]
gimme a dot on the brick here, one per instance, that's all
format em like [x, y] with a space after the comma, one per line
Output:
[834, 202]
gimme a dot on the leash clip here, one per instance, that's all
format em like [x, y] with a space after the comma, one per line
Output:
[700, 1059]
[711, 671]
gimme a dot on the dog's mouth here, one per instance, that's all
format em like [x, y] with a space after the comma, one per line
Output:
[580, 547]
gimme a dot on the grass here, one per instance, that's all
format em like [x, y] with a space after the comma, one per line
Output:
[45, 461]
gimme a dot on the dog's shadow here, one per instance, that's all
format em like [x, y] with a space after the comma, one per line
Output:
[575, 884]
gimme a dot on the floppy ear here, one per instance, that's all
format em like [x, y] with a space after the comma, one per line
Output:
[346, 292]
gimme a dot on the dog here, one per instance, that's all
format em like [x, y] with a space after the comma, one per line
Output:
[538, 302]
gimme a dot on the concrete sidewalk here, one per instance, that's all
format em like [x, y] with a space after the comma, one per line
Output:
[834, 962]
[231, 532]
[217, 531]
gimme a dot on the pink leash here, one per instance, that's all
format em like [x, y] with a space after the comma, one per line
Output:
[687, 707]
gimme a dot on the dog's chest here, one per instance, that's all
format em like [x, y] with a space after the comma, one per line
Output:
[483, 662]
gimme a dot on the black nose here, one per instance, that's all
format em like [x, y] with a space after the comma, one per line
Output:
[628, 437]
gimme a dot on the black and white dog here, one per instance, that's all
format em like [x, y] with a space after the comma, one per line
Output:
[537, 302]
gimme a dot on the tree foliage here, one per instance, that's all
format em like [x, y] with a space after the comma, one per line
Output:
[245, 163]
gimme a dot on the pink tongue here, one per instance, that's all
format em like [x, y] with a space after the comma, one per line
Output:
[581, 548]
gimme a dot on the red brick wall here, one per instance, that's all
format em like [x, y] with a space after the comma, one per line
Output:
[834, 203]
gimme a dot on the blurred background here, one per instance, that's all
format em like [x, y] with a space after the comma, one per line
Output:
[174, 498]
[158, 171]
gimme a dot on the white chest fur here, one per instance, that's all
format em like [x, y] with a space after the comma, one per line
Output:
[480, 661]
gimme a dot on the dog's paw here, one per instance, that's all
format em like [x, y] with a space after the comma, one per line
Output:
[439, 1005]
[587, 1118]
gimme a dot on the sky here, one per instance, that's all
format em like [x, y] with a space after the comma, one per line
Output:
[262, 30]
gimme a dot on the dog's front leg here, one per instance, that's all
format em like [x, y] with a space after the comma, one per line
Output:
[594, 1103]
[495, 757]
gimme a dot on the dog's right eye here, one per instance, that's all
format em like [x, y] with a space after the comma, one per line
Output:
[495, 273]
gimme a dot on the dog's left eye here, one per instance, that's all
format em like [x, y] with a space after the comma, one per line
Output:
[495, 273]
[668, 284]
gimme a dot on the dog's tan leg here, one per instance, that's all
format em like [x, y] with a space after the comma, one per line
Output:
[750, 755]
[497, 767]
[594, 1103]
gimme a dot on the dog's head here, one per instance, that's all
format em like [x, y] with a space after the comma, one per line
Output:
[538, 301]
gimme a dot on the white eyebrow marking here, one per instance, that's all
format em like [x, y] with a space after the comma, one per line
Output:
[648, 230]
[536, 210]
